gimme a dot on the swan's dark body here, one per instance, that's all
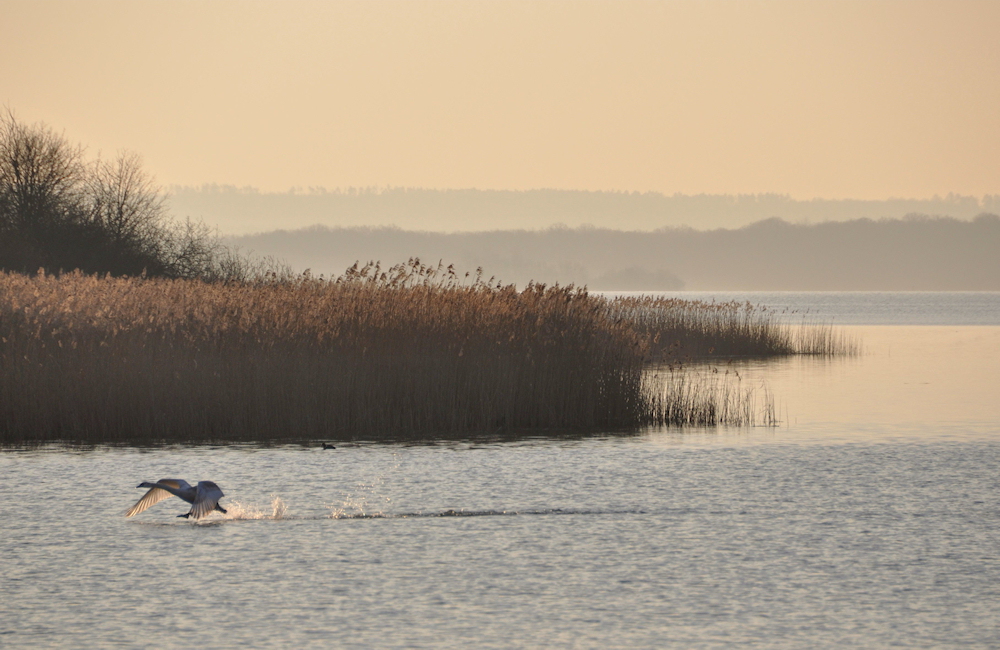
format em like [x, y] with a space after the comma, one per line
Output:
[204, 498]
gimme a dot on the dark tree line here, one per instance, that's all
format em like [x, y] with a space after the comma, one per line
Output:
[60, 212]
[915, 253]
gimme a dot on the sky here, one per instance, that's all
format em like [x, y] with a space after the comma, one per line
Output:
[865, 100]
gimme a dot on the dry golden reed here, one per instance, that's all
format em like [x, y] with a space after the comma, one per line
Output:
[410, 352]
[692, 330]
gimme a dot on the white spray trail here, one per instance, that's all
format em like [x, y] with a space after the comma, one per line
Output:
[240, 510]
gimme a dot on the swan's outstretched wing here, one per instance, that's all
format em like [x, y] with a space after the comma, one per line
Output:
[205, 500]
[156, 494]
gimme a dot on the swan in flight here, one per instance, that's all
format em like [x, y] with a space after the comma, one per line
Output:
[203, 499]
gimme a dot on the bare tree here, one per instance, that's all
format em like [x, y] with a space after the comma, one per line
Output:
[57, 213]
[191, 250]
[41, 177]
[125, 203]
[230, 265]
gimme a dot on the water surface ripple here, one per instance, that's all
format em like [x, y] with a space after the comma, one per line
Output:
[616, 542]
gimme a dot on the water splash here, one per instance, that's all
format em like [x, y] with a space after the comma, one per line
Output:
[241, 510]
[278, 507]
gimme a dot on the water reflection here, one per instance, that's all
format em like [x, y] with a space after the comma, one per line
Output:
[928, 380]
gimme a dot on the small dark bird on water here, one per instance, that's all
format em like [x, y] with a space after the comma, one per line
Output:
[203, 499]
[326, 446]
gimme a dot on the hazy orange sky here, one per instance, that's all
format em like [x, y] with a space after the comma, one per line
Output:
[813, 99]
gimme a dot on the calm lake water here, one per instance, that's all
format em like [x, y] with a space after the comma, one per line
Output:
[869, 518]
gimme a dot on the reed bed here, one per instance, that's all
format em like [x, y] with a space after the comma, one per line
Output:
[677, 330]
[406, 353]
[823, 339]
[679, 397]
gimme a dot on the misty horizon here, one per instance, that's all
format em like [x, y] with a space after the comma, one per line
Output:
[917, 253]
[238, 211]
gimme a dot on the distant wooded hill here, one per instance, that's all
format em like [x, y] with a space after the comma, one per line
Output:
[916, 253]
[244, 211]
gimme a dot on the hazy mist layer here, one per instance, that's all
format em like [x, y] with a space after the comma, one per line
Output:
[243, 211]
[913, 254]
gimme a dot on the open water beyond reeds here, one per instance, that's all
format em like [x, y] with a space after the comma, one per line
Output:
[869, 518]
